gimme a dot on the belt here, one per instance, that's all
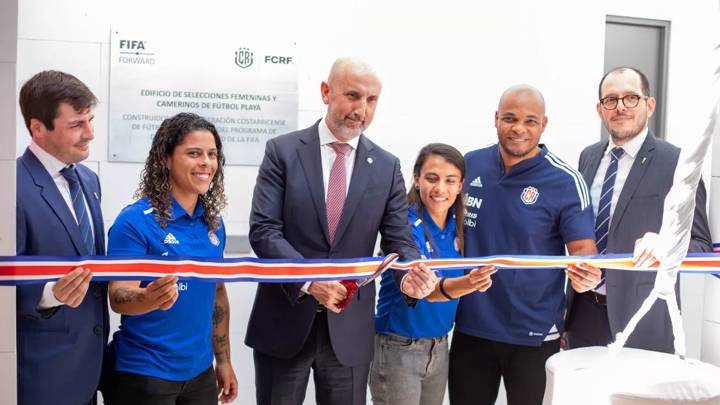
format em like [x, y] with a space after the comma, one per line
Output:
[600, 299]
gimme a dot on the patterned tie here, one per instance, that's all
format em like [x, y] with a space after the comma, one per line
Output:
[336, 188]
[602, 221]
[78, 202]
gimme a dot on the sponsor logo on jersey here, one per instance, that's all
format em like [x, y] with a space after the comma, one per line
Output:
[170, 239]
[476, 183]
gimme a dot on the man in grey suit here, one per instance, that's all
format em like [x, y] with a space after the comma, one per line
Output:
[629, 177]
[326, 191]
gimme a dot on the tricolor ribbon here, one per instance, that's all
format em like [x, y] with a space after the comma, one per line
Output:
[22, 270]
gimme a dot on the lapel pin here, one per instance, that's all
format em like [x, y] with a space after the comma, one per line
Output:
[370, 160]
[96, 195]
[642, 162]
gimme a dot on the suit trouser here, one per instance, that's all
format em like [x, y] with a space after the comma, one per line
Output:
[476, 366]
[284, 381]
[589, 324]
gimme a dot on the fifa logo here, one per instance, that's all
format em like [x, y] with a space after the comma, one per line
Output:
[243, 57]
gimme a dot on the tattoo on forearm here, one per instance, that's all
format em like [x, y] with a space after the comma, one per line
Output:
[125, 296]
[221, 347]
[218, 315]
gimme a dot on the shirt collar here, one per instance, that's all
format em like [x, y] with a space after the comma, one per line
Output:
[52, 164]
[632, 147]
[434, 229]
[178, 211]
[522, 166]
[327, 137]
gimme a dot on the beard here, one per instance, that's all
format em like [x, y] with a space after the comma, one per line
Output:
[517, 152]
[626, 134]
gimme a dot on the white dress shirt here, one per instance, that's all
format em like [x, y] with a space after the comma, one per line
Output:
[625, 163]
[53, 166]
[327, 157]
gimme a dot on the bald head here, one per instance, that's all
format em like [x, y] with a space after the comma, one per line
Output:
[351, 66]
[523, 93]
[351, 94]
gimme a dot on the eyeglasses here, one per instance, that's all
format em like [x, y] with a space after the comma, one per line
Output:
[629, 101]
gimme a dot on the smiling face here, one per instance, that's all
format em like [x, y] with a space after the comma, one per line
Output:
[439, 185]
[624, 123]
[192, 165]
[69, 141]
[351, 95]
[520, 120]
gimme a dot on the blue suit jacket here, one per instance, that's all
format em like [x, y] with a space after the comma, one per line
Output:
[289, 220]
[60, 351]
[639, 210]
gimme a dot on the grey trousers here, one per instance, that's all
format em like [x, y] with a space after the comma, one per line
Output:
[409, 371]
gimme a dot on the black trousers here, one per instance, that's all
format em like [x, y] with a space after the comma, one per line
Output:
[477, 364]
[284, 381]
[589, 324]
[120, 388]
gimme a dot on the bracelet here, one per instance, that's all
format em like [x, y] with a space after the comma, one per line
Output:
[442, 289]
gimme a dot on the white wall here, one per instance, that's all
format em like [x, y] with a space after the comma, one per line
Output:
[8, 100]
[443, 67]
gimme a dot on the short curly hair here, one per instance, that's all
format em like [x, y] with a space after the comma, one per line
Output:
[155, 181]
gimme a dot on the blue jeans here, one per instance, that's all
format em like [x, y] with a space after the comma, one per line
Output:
[409, 371]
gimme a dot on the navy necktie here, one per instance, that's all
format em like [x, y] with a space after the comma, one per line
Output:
[602, 221]
[78, 202]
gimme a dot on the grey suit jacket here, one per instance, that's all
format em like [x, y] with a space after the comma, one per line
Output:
[289, 220]
[639, 210]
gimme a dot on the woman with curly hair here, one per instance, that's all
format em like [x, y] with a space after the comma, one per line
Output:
[163, 352]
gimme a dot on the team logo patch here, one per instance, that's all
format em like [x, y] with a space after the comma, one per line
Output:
[530, 195]
[213, 238]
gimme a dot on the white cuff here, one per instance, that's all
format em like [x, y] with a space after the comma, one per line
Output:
[48, 299]
[306, 287]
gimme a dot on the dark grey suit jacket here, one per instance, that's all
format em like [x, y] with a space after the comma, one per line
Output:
[639, 210]
[289, 220]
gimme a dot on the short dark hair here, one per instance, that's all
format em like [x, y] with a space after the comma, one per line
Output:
[644, 83]
[455, 158]
[41, 96]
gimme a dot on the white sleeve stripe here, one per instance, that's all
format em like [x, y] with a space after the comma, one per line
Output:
[576, 174]
[579, 182]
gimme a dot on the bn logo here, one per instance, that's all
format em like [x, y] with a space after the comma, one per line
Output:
[243, 57]
[530, 195]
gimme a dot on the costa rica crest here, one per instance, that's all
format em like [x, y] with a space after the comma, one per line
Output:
[243, 57]
[529, 195]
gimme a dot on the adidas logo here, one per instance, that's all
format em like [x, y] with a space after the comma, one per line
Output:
[171, 240]
[477, 182]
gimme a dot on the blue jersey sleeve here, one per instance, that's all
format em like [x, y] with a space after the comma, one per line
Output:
[576, 212]
[124, 238]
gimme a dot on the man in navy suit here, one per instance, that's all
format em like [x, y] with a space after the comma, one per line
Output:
[62, 326]
[629, 176]
[325, 192]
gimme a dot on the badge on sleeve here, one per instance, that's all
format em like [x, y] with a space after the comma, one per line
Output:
[530, 195]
